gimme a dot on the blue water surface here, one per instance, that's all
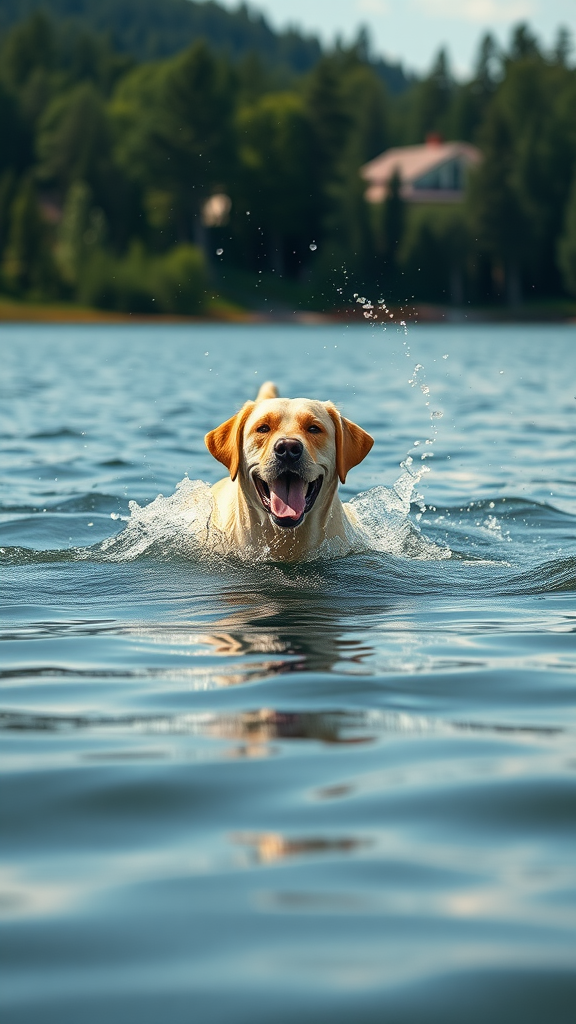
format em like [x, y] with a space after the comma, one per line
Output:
[338, 792]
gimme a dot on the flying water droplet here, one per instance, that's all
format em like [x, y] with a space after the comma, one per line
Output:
[313, 246]
[219, 252]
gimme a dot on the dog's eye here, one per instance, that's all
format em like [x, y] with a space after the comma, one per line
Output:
[263, 429]
[313, 429]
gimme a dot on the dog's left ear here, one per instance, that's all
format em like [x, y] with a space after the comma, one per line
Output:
[352, 443]
[225, 441]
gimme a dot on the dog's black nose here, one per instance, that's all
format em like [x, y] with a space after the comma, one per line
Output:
[288, 448]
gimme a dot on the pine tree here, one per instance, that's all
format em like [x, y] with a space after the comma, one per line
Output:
[81, 229]
[393, 228]
[74, 139]
[28, 267]
[567, 244]
[433, 99]
[188, 140]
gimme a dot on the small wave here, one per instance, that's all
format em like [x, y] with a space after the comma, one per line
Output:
[50, 435]
[556, 575]
[17, 555]
[522, 510]
[92, 502]
[362, 577]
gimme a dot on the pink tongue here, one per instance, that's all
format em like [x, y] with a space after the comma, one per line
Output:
[288, 497]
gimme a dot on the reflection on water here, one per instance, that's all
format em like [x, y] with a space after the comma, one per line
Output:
[268, 847]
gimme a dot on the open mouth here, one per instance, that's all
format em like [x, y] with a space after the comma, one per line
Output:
[288, 498]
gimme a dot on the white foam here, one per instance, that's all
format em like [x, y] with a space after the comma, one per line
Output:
[180, 524]
[383, 518]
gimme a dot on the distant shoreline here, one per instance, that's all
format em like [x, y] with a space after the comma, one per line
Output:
[58, 313]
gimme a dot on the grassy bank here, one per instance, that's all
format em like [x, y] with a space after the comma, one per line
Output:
[224, 311]
[12, 311]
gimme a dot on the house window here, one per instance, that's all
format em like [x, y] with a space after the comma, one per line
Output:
[448, 176]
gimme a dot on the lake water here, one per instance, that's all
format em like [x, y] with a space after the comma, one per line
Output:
[338, 792]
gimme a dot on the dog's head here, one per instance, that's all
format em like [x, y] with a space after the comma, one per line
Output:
[287, 452]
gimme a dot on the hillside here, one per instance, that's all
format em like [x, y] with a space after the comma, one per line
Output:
[148, 29]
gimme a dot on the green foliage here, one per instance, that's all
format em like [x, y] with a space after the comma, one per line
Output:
[432, 100]
[27, 267]
[369, 111]
[82, 228]
[16, 148]
[173, 126]
[191, 139]
[28, 49]
[470, 100]
[349, 116]
[7, 189]
[389, 228]
[73, 138]
[275, 149]
[27, 64]
[153, 29]
[329, 116]
[433, 250]
[567, 244]
[519, 193]
[106, 165]
[179, 280]
[139, 283]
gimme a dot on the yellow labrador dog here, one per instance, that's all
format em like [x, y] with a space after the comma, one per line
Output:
[285, 457]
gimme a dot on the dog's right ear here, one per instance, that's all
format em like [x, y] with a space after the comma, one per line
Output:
[225, 441]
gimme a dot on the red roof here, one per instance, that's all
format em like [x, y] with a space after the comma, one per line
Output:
[411, 163]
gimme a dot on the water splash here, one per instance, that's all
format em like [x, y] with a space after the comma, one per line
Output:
[180, 525]
[383, 517]
[382, 314]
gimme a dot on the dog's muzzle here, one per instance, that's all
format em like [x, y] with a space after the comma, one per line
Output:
[289, 497]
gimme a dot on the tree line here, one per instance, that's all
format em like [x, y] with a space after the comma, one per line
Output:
[151, 29]
[107, 162]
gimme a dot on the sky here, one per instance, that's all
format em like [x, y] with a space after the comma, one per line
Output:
[413, 30]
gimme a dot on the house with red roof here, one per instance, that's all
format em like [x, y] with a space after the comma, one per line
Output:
[432, 173]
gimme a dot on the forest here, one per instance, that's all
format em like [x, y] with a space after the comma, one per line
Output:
[113, 145]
